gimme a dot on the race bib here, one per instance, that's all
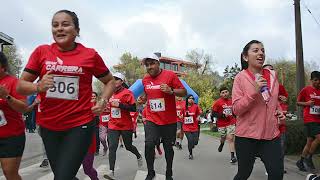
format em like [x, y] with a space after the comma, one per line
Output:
[105, 118]
[188, 120]
[157, 105]
[65, 87]
[315, 110]
[3, 120]
[227, 111]
[115, 112]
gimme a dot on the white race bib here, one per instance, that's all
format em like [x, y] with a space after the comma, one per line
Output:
[105, 118]
[315, 110]
[3, 120]
[227, 111]
[157, 105]
[65, 87]
[115, 112]
[188, 120]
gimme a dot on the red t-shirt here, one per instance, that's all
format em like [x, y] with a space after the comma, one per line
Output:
[105, 116]
[67, 105]
[283, 105]
[224, 106]
[134, 116]
[310, 114]
[180, 105]
[190, 123]
[120, 119]
[161, 107]
[14, 125]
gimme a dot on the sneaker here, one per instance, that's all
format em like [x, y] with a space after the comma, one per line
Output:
[308, 164]
[300, 165]
[233, 160]
[45, 163]
[311, 177]
[110, 175]
[140, 162]
[150, 176]
[190, 156]
[220, 147]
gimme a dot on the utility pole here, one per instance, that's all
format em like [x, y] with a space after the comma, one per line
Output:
[299, 53]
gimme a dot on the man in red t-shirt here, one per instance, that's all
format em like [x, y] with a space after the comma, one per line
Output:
[222, 110]
[161, 87]
[180, 104]
[309, 98]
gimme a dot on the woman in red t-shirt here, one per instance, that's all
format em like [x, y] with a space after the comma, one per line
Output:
[12, 137]
[190, 123]
[66, 69]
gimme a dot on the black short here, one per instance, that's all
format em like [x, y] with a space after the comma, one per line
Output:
[312, 129]
[12, 146]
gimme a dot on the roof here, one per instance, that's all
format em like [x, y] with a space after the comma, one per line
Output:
[5, 39]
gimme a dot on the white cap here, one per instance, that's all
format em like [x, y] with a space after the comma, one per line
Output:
[156, 56]
[119, 75]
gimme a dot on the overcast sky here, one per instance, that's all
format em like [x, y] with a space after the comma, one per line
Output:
[173, 27]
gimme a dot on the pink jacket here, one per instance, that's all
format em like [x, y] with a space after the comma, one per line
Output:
[255, 118]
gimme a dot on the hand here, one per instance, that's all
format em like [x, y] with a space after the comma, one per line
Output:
[36, 102]
[46, 82]
[3, 92]
[283, 98]
[98, 107]
[280, 116]
[115, 104]
[165, 88]
[310, 103]
[260, 83]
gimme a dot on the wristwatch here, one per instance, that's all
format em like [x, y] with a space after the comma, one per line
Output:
[8, 97]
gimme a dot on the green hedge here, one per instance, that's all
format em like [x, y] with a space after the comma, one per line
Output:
[296, 138]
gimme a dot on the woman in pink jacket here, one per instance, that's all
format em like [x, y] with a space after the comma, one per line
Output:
[255, 103]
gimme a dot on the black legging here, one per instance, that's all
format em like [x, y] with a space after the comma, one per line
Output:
[153, 133]
[193, 138]
[113, 141]
[268, 150]
[67, 149]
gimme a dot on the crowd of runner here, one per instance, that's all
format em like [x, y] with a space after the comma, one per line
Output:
[73, 120]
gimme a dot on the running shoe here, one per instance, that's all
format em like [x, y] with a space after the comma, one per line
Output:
[45, 163]
[110, 175]
[300, 165]
[190, 156]
[233, 160]
[140, 162]
[311, 177]
[308, 164]
[220, 147]
[150, 175]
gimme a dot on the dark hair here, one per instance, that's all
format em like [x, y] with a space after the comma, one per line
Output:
[222, 88]
[4, 61]
[267, 65]
[315, 74]
[244, 64]
[74, 17]
[188, 96]
[93, 92]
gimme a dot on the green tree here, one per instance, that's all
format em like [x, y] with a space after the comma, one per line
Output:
[131, 67]
[14, 59]
[229, 74]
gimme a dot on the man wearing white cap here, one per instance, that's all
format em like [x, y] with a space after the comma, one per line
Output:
[121, 104]
[161, 87]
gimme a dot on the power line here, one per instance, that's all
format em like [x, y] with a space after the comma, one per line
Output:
[314, 18]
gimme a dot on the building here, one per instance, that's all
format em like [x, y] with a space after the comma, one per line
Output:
[5, 40]
[178, 66]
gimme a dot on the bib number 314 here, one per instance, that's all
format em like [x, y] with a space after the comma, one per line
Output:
[157, 105]
[65, 87]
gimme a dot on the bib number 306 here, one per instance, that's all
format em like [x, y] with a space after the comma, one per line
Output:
[65, 87]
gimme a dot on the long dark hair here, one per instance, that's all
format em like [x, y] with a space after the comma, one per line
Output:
[244, 63]
[187, 108]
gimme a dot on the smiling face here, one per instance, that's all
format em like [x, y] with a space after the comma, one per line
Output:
[64, 31]
[255, 56]
[152, 67]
